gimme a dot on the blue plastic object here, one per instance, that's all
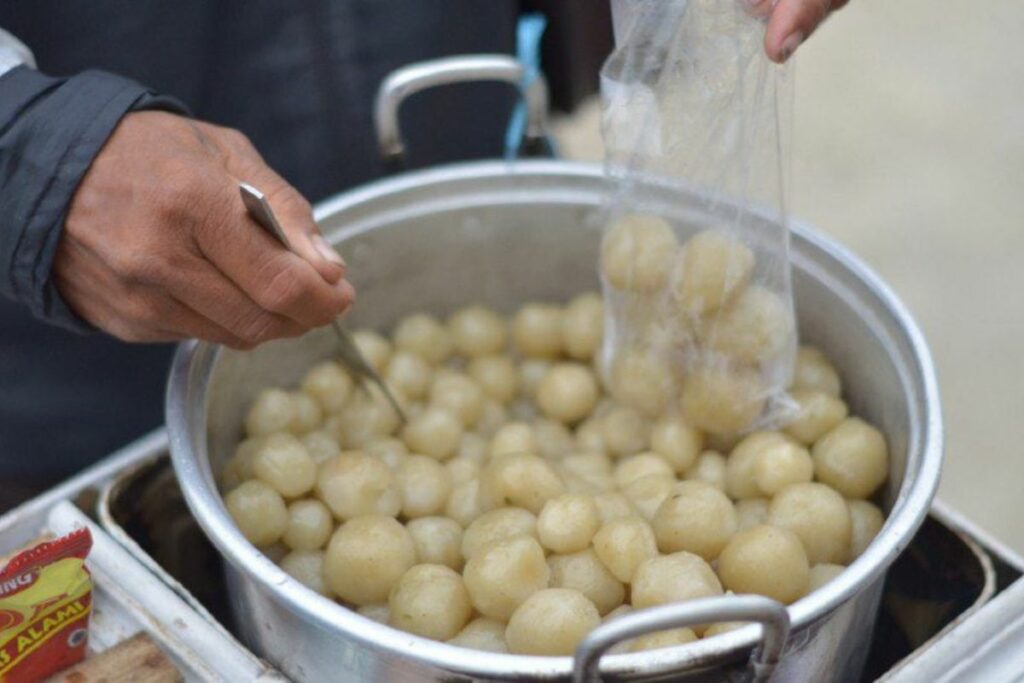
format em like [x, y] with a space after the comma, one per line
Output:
[529, 31]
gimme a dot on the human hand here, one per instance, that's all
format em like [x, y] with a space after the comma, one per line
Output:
[157, 245]
[790, 23]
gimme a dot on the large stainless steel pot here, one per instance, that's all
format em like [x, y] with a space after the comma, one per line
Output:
[503, 233]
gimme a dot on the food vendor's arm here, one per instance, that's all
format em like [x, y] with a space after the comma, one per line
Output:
[118, 212]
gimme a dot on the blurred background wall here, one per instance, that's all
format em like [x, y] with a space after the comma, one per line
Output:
[909, 148]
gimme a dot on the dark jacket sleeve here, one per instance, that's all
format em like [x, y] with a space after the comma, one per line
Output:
[50, 131]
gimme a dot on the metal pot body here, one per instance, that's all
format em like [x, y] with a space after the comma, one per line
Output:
[502, 234]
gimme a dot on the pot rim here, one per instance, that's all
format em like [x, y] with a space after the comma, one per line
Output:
[925, 448]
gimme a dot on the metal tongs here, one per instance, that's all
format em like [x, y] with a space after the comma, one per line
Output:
[351, 357]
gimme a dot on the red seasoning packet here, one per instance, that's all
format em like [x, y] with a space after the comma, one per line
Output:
[45, 601]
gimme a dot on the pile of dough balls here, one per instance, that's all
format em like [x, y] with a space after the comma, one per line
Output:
[699, 297]
[523, 504]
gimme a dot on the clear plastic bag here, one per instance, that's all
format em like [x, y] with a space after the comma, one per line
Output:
[695, 257]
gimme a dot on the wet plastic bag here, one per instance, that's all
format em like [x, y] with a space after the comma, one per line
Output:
[695, 255]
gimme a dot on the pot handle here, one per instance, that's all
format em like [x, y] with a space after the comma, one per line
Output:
[423, 75]
[772, 615]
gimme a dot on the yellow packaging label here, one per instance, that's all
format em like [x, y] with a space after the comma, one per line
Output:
[45, 601]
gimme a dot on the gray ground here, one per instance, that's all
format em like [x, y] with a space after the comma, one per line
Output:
[910, 149]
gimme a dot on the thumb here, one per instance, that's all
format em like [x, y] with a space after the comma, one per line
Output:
[296, 218]
[292, 210]
[791, 23]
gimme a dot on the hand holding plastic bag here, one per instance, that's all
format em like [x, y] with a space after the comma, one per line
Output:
[700, 308]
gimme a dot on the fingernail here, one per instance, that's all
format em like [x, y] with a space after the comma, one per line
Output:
[349, 293]
[327, 251]
[790, 44]
[751, 6]
[757, 8]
